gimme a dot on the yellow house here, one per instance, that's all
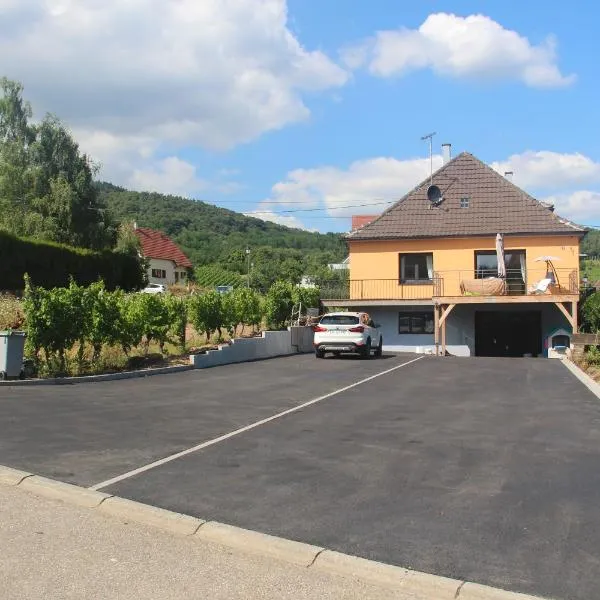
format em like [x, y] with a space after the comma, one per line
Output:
[428, 268]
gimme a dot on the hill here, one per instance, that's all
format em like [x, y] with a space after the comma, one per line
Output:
[212, 235]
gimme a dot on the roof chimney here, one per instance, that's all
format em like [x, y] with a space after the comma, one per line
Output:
[509, 175]
[446, 152]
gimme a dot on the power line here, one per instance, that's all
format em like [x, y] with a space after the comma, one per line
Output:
[321, 208]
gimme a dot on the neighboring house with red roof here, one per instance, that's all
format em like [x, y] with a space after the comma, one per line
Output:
[167, 264]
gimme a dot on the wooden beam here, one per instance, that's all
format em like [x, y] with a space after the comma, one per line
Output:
[520, 299]
[446, 312]
[444, 337]
[436, 327]
[565, 312]
[574, 313]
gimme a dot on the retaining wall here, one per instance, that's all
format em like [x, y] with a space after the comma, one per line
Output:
[295, 340]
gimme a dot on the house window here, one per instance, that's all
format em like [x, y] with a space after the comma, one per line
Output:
[416, 268]
[415, 322]
[176, 276]
[464, 202]
[486, 264]
[159, 273]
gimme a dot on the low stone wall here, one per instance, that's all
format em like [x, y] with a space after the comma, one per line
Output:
[295, 340]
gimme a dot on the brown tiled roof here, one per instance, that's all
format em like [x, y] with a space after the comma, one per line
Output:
[155, 244]
[495, 206]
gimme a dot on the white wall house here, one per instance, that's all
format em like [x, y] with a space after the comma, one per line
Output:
[167, 264]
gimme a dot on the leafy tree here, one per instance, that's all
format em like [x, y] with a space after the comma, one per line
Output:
[591, 313]
[308, 297]
[279, 303]
[127, 241]
[46, 183]
[590, 244]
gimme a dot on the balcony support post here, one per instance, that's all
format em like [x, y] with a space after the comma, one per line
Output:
[569, 312]
[436, 328]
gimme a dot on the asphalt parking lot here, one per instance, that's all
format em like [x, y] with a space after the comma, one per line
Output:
[478, 469]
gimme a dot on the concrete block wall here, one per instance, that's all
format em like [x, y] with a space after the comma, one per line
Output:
[270, 345]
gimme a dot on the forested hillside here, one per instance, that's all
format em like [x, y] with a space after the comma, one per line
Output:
[213, 235]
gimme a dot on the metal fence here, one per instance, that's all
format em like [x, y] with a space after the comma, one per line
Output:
[456, 283]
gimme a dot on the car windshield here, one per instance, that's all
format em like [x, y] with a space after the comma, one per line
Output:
[339, 320]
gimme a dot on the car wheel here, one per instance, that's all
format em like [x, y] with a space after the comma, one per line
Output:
[366, 351]
[379, 351]
[319, 354]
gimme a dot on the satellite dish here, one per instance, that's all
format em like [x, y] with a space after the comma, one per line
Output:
[434, 195]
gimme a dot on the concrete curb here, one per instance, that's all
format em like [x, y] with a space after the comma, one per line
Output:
[97, 378]
[474, 591]
[151, 515]
[422, 586]
[259, 543]
[10, 476]
[389, 576]
[57, 490]
[589, 383]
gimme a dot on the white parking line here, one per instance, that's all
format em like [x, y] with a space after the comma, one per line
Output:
[241, 430]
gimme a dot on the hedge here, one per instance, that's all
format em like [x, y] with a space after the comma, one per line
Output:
[52, 265]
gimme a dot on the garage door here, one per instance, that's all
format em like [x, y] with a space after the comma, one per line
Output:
[508, 333]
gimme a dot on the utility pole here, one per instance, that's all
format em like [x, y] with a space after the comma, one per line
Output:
[248, 258]
[429, 137]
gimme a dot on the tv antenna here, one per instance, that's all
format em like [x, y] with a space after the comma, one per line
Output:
[429, 137]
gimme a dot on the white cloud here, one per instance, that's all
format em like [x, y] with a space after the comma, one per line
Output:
[371, 182]
[581, 207]
[214, 73]
[550, 170]
[474, 47]
[168, 176]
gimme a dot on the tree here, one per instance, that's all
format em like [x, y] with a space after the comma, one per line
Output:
[46, 183]
[127, 241]
[591, 313]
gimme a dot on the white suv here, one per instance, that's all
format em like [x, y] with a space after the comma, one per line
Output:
[347, 332]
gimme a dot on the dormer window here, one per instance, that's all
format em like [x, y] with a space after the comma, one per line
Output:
[464, 202]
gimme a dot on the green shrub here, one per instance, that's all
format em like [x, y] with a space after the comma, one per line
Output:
[206, 313]
[52, 265]
[279, 302]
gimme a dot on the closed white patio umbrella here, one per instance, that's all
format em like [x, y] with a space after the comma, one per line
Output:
[500, 256]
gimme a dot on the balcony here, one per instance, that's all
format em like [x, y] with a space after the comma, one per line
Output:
[462, 286]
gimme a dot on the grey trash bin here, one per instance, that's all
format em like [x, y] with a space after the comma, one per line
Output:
[12, 345]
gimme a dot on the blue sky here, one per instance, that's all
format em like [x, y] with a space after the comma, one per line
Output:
[317, 107]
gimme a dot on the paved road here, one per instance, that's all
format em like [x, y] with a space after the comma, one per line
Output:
[86, 433]
[477, 469]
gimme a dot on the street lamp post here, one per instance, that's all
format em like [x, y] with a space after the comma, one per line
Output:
[248, 258]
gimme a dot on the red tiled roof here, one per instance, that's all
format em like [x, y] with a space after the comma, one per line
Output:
[155, 244]
[492, 204]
